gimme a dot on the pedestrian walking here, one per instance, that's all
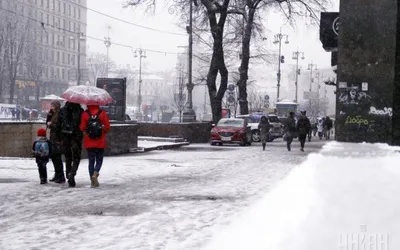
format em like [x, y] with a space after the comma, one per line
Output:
[264, 126]
[290, 130]
[303, 128]
[71, 138]
[320, 127]
[95, 124]
[55, 142]
[328, 124]
[41, 152]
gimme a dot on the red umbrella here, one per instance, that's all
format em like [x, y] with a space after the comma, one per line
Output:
[87, 95]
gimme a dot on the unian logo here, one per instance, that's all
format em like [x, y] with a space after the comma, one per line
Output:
[363, 240]
[335, 26]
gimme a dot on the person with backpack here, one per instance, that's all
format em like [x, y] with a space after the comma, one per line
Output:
[303, 128]
[95, 124]
[55, 142]
[41, 151]
[71, 138]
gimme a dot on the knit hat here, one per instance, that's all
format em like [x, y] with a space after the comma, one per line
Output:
[56, 104]
[41, 132]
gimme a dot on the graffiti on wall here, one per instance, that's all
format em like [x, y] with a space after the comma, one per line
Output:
[383, 112]
[353, 95]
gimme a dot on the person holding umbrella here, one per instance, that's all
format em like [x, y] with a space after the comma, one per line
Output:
[93, 123]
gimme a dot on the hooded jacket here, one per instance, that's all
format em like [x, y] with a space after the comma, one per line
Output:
[87, 141]
[70, 114]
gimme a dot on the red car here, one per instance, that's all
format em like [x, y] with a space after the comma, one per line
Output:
[231, 131]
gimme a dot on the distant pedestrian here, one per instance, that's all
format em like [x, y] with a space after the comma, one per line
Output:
[303, 128]
[41, 151]
[71, 138]
[95, 124]
[290, 130]
[18, 114]
[55, 141]
[264, 126]
[328, 124]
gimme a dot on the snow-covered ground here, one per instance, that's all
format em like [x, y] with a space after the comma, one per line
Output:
[346, 197]
[158, 200]
[150, 144]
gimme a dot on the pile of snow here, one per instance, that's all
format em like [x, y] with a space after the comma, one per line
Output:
[345, 197]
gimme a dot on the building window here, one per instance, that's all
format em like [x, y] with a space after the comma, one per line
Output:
[79, 14]
[74, 12]
[73, 60]
[41, 2]
[69, 59]
[41, 16]
[59, 6]
[69, 10]
[64, 8]
[63, 74]
[48, 4]
[52, 57]
[63, 58]
[58, 57]
[54, 5]
[47, 19]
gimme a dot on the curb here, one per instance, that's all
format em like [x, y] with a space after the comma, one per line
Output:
[160, 147]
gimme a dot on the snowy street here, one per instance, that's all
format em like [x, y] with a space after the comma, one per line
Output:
[156, 200]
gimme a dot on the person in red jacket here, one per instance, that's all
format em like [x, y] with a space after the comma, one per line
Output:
[95, 124]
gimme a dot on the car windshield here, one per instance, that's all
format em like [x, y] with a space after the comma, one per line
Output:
[249, 119]
[231, 123]
[273, 119]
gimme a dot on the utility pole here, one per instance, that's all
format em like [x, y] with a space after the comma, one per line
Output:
[281, 59]
[141, 54]
[311, 66]
[107, 42]
[296, 56]
[189, 113]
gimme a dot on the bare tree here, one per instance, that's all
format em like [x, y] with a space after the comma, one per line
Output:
[16, 32]
[97, 64]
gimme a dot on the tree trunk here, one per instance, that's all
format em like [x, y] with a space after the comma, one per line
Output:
[244, 65]
[217, 64]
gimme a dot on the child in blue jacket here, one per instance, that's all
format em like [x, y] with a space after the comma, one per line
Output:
[41, 151]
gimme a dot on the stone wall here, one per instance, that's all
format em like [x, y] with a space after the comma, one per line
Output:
[192, 132]
[16, 139]
[366, 57]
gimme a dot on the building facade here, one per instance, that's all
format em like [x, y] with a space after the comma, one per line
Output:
[51, 47]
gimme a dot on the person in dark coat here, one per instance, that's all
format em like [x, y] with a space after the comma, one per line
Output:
[55, 142]
[264, 126]
[290, 130]
[303, 128]
[328, 124]
[71, 138]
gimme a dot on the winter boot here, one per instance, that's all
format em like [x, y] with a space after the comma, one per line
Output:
[54, 179]
[60, 179]
[94, 179]
[302, 149]
[288, 147]
[71, 180]
[263, 145]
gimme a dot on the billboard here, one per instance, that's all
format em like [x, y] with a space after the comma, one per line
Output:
[116, 87]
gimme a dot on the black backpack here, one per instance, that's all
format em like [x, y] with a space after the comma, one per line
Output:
[67, 126]
[94, 128]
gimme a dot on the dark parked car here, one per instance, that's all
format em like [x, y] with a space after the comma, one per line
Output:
[231, 131]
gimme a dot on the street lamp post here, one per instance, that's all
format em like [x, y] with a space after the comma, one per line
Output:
[189, 113]
[107, 43]
[278, 40]
[296, 56]
[311, 66]
[79, 38]
[141, 54]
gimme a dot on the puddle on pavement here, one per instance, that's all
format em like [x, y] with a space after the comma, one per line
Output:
[197, 198]
[11, 180]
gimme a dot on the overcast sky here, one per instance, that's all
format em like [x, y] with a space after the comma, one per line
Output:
[305, 38]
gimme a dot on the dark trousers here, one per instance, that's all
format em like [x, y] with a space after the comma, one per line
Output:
[289, 140]
[302, 139]
[42, 170]
[95, 156]
[73, 153]
[58, 166]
